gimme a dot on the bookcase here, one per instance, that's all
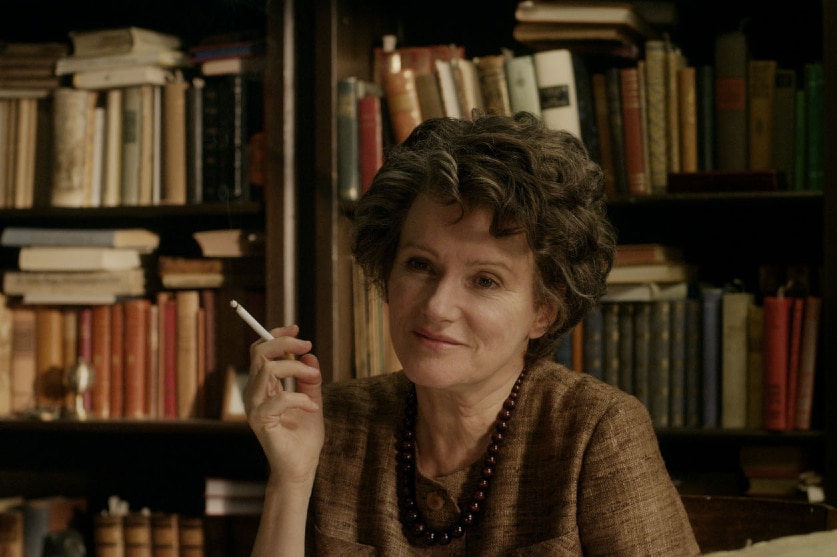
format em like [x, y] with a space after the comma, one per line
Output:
[727, 234]
[160, 464]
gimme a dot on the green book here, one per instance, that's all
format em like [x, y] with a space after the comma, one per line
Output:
[813, 96]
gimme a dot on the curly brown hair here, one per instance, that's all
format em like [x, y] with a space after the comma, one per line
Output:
[534, 180]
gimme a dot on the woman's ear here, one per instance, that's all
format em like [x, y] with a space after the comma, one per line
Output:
[546, 315]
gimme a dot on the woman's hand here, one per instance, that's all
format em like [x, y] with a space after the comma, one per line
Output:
[288, 425]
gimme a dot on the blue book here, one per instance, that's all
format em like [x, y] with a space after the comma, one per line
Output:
[711, 298]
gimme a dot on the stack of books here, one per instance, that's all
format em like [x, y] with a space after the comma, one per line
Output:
[29, 68]
[228, 496]
[226, 55]
[120, 57]
[77, 266]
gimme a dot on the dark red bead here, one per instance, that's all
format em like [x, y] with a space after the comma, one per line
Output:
[443, 538]
[457, 531]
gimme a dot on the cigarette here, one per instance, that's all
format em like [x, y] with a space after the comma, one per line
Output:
[250, 320]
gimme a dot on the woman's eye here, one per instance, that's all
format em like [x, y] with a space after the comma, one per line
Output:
[417, 265]
[485, 282]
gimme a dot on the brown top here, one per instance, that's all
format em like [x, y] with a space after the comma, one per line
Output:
[580, 473]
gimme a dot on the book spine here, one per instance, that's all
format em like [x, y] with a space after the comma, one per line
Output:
[794, 350]
[6, 336]
[136, 339]
[693, 363]
[371, 139]
[705, 85]
[348, 152]
[23, 364]
[776, 353]
[49, 356]
[808, 362]
[72, 137]
[711, 356]
[523, 84]
[686, 83]
[632, 126]
[188, 305]
[403, 103]
[734, 309]
[731, 146]
[194, 141]
[761, 87]
[815, 126]
[783, 123]
[603, 126]
[660, 363]
[642, 352]
[494, 85]
[674, 61]
[617, 129]
[174, 143]
[557, 90]
[117, 360]
[655, 63]
[755, 367]
[677, 407]
[131, 130]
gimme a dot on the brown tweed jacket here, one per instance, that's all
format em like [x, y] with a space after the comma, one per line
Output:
[580, 473]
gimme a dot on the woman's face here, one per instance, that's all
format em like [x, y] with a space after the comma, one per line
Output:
[461, 301]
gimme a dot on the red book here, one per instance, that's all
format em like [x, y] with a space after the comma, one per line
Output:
[117, 362]
[808, 361]
[136, 344]
[797, 307]
[777, 312]
[370, 137]
[403, 101]
[101, 347]
[638, 183]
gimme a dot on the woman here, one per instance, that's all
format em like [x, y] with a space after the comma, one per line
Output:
[489, 241]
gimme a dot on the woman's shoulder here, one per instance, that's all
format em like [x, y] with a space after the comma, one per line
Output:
[376, 395]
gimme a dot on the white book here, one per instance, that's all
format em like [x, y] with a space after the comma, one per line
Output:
[447, 88]
[467, 85]
[112, 179]
[76, 258]
[163, 58]
[97, 172]
[523, 84]
[118, 40]
[234, 65]
[645, 292]
[122, 77]
[123, 282]
[557, 91]
[70, 299]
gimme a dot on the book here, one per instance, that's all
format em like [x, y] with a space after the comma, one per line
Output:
[126, 76]
[401, 93]
[467, 84]
[523, 84]
[221, 48]
[139, 239]
[686, 84]
[677, 362]
[166, 58]
[705, 92]
[72, 147]
[233, 65]
[164, 534]
[191, 536]
[108, 535]
[794, 348]
[659, 366]
[734, 310]
[491, 70]
[643, 254]
[348, 142]
[776, 352]
[674, 61]
[587, 40]
[187, 307]
[233, 242]
[11, 533]
[451, 104]
[693, 363]
[217, 486]
[136, 533]
[6, 325]
[557, 90]
[101, 360]
[755, 366]
[370, 137]
[613, 89]
[711, 356]
[655, 64]
[119, 40]
[761, 93]
[117, 360]
[194, 140]
[638, 183]
[135, 358]
[808, 362]
[617, 14]
[599, 84]
[76, 258]
[731, 137]
[651, 272]
[174, 160]
[783, 123]
[49, 359]
[813, 86]
[645, 292]
[123, 282]
[23, 364]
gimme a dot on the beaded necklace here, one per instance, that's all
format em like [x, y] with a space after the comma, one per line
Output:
[414, 523]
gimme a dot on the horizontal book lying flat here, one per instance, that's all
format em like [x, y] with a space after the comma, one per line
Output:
[646, 292]
[165, 58]
[140, 239]
[640, 254]
[128, 282]
[76, 258]
[655, 272]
